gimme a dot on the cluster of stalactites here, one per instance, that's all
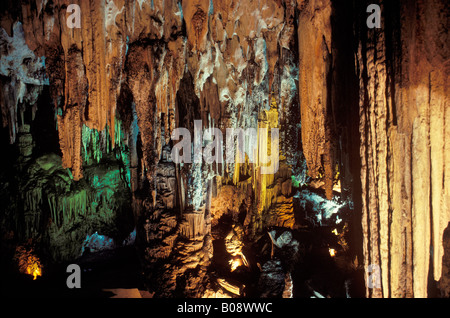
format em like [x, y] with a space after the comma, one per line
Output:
[22, 76]
[86, 65]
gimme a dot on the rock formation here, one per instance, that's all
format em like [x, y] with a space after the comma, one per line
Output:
[403, 70]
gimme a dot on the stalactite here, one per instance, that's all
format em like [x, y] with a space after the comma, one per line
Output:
[239, 64]
[27, 76]
[100, 64]
[314, 32]
[69, 130]
[195, 15]
[403, 133]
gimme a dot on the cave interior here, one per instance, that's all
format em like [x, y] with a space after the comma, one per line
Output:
[225, 148]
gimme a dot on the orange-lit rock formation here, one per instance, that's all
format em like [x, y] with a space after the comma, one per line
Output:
[315, 66]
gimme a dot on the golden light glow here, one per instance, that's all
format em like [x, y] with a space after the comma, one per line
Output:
[335, 232]
[332, 252]
[337, 186]
[34, 267]
[235, 263]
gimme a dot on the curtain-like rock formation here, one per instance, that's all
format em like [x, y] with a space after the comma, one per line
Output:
[403, 69]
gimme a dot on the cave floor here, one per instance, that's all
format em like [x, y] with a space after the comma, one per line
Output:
[105, 274]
